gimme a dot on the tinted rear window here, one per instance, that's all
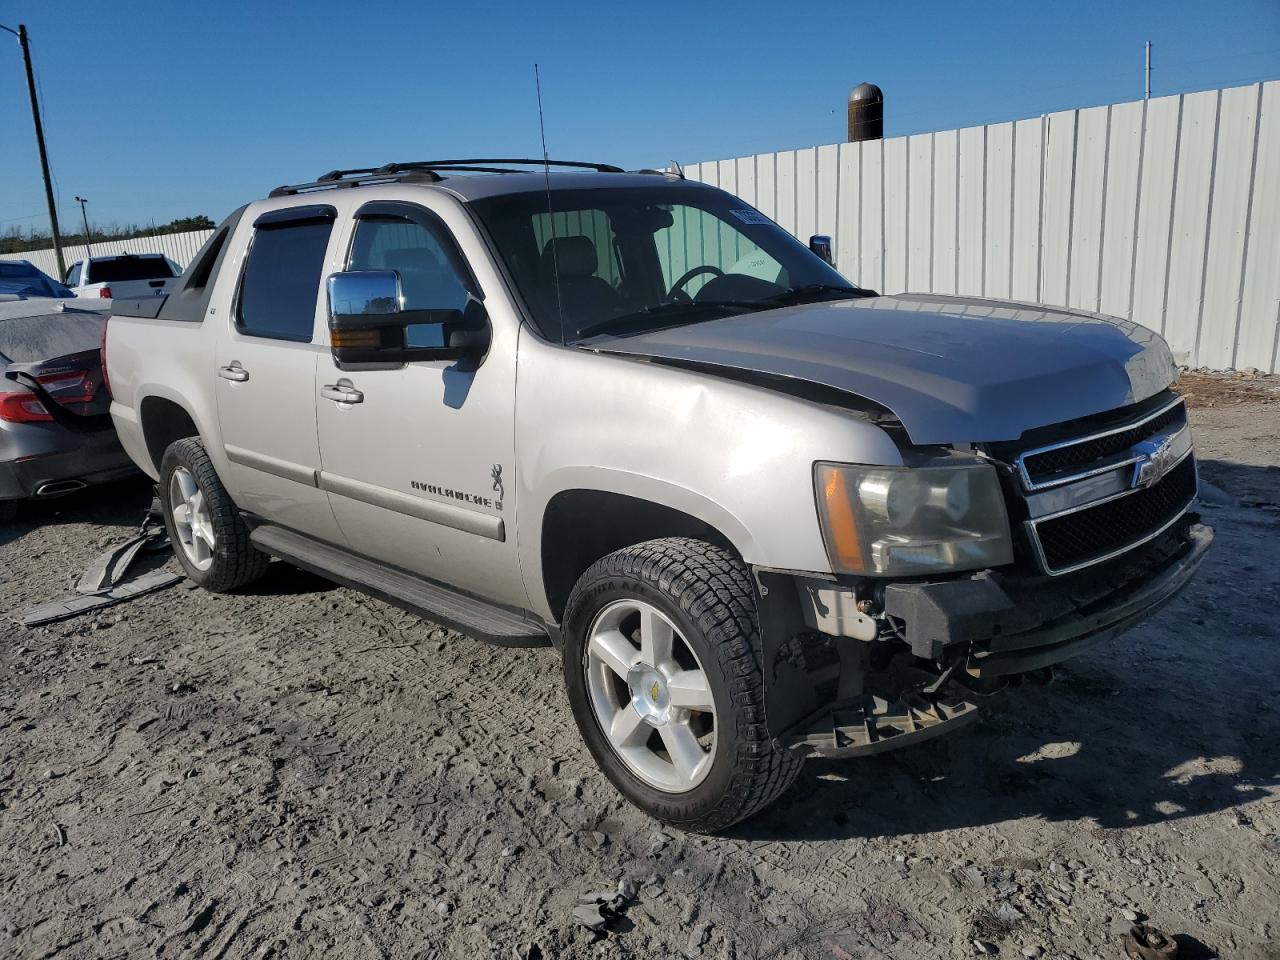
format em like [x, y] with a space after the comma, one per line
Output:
[129, 268]
[282, 280]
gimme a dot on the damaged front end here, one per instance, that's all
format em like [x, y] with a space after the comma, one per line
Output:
[1101, 537]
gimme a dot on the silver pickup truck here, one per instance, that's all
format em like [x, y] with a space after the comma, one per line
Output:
[763, 513]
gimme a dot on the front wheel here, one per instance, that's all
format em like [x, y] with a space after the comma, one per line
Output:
[662, 664]
[208, 535]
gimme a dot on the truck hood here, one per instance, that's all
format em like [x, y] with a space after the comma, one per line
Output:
[951, 369]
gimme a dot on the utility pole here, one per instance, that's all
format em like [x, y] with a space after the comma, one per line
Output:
[88, 248]
[21, 34]
[1148, 96]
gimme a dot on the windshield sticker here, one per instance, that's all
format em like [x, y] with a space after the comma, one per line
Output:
[750, 216]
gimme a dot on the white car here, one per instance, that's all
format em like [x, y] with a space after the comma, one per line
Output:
[127, 275]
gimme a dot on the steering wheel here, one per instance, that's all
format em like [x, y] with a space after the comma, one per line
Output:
[689, 275]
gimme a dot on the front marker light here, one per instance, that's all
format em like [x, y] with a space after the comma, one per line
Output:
[912, 521]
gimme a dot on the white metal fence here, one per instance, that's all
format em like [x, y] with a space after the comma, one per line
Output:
[1165, 212]
[179, 247]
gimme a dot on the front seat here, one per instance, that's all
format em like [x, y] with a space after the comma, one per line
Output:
[584, 298]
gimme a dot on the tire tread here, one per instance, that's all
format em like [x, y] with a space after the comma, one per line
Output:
[714, 588]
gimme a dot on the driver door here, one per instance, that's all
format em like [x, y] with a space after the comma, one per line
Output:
[418, 461]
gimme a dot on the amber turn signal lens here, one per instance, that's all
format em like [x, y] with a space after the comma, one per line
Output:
[841, 527]
[354, 338]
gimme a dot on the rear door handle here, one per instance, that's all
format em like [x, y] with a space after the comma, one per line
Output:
[234, 371]
[341, 392]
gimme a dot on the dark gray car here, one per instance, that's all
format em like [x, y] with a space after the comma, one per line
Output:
[56, 435]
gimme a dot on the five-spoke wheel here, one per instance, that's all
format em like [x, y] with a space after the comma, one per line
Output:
[191, 520]
[651, 696]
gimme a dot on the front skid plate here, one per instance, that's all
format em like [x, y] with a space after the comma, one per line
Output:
[866, 725]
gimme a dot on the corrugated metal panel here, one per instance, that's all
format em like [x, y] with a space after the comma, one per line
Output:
[895, 216]
[1155, 211]
[998, 242]
[806, 194]
[747, 179]
[1192, 192]
[767, 184]
[945, 171]
[971, 244]
[920, 212]
[1028, 171]
[1124, 155]
[1090, 184]
[849, 213]
[784, 190]
[1229, 214]
[1258, 319]
[1059, 176]
[827, 211]
[871, 238]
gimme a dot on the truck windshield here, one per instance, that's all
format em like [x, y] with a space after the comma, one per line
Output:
[624, 260]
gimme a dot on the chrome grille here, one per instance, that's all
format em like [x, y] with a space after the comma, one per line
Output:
[1096, 533]
[1094, 453]
[1093, 497]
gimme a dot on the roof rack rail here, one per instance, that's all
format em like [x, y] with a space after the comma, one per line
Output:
[359, 177]
[489, 161]
[425, 171]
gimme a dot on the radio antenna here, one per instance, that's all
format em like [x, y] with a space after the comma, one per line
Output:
[551, 217]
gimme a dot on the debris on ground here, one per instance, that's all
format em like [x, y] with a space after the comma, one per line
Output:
[103, 583]
[600, 911]
[1144, 942]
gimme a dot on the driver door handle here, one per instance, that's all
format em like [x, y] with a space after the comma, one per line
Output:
[341, 392]
[234, 371]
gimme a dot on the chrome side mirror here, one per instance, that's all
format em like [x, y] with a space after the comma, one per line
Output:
[364, 293]
[820, 244]
[369, 325]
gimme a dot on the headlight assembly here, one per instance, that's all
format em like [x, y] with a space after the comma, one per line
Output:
[911, 521]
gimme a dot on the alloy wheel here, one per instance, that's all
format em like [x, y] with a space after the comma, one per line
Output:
[650, 696]
[191, 520]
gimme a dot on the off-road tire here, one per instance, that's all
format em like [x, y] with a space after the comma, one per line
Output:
[236, 562]
[707, 593]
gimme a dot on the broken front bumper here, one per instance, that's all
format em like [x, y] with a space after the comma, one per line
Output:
[1008, 625]
[977, 632]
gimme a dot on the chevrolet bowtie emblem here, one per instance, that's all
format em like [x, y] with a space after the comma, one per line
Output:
[654, 691]
[1155, 458]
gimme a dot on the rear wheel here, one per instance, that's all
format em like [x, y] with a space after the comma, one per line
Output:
[209, 537]
[661, 660]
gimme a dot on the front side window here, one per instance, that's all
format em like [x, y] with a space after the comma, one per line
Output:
[73, 276]
[428, 279]
[616, 261]
[281, 282]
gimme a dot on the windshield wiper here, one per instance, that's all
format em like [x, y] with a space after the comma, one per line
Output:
[815, 291]
[667, 314]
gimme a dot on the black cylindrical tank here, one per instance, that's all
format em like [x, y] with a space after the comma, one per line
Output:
[866, 113]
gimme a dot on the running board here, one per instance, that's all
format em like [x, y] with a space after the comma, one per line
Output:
[434, 601]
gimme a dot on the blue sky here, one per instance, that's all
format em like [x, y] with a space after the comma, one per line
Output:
[155, 110]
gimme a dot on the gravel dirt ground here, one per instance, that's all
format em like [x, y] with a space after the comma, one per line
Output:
[301, 771]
